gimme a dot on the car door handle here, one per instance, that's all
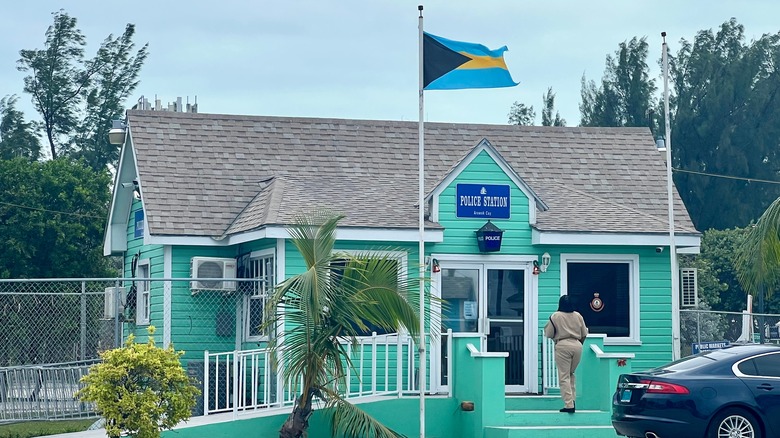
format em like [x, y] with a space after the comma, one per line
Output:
[766, 386]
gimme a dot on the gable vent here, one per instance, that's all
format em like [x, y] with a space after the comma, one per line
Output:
[688, 287]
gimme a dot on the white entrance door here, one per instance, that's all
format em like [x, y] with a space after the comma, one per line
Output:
[490, 298]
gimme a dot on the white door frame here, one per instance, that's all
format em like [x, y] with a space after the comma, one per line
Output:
[531, 318]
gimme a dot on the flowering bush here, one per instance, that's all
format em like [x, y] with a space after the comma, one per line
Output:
[140, 389]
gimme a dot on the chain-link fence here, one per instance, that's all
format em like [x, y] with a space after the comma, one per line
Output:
[53, 321]
[65, 321]
[698, 328]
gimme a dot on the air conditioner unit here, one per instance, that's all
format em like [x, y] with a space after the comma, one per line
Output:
[689, 287]
[206, 273]
[110, 308]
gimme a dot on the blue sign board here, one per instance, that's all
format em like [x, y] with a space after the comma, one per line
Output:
[139, 223]
[698, 347]
[485, 201]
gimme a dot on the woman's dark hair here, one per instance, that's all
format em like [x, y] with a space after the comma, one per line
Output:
[565, 304]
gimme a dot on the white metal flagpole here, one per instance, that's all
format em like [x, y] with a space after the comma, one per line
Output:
[670, 200]
[421, 345]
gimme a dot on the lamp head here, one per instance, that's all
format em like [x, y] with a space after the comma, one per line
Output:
[116, 135]
[546, 259]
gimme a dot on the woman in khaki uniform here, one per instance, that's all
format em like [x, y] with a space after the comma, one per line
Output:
[567, 328]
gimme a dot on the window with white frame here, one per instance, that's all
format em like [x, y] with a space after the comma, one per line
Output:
[605, 290]
[262, 272]
[143, 296]
[398, 258]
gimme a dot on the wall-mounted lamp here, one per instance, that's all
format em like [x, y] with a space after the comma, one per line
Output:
[546, 259]
[435, 266]
[116, 135]
[536, 268]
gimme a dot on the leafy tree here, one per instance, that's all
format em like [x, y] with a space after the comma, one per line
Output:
[336, 298]
[726, 122]
[17, 137]
[718, 259]
[140, 389]
[78, 98]
[625, 94]
[701, 326]
[116, 76]
[522, 115]
[56, 80]
[547, 112]
[54, 215]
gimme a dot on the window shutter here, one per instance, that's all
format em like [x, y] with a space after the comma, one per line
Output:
[688, 287]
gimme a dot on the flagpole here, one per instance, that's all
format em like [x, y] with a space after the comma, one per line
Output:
[421, 344]
[672, 246]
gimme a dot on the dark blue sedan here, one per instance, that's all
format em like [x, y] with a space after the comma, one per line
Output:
[729, 393]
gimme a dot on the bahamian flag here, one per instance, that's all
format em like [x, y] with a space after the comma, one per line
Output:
[453, 65]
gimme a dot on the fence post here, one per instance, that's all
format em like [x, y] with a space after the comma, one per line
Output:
[206, 382]
[83, 344]
[235, 383]
[117, 306]
[399, 364]
[373, 363]
[698, 326]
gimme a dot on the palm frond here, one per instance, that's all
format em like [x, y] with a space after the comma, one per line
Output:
[350, 421]
[758, 259]
[326, 307]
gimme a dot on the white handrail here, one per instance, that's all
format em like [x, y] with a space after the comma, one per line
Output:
[476, 353]
[244, 380]
[601, 355]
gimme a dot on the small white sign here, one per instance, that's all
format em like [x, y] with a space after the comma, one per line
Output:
[470, 310]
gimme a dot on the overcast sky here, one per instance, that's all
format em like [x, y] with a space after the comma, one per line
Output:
[358, 58]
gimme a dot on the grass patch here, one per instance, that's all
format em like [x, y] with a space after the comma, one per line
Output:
[29, 429]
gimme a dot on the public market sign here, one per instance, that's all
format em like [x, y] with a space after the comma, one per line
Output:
[487, 201]
[698, 347]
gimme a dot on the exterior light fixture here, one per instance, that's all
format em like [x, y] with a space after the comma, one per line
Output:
[435, 265]
[489, 237]
[116, 135]
[546, 259]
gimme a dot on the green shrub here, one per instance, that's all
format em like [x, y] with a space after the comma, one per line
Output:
[140, 389]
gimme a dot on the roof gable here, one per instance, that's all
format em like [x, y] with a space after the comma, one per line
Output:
[125, 184]
[485, 146]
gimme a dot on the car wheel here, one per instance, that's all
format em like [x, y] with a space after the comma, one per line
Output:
[734, 423]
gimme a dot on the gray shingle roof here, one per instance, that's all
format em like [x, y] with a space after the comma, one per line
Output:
[215, 175]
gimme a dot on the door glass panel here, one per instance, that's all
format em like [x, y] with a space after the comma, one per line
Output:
[460, 311]
[505, 307]
[505, 293]
[508, 337]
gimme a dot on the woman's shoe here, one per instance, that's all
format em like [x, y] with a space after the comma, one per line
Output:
[569, 410]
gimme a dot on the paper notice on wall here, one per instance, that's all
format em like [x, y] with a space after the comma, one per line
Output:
[470, 310]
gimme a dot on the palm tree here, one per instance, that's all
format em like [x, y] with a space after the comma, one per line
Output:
[758, 258]
[337, 298]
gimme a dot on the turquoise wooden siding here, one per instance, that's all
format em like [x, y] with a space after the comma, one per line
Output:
[655, 307]
[246, 249]
[294, 265]
[459, 237]
[654, 272]
[154, 253]
[194, 318]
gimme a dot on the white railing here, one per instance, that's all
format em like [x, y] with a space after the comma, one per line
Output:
[244, 380]
[44, 391]
[549, 370]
